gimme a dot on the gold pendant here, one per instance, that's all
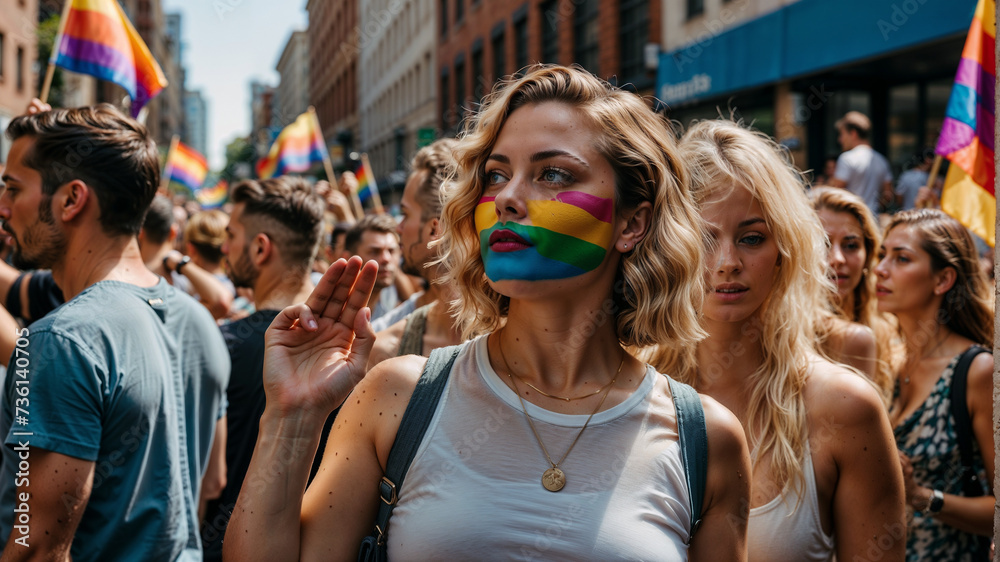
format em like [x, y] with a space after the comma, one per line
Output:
[553, 480]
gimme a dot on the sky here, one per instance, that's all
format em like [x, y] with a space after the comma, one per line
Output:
[227, 44]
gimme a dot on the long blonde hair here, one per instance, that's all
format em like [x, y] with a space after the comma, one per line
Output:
[721, 154]
[643, 154]
[865, 309]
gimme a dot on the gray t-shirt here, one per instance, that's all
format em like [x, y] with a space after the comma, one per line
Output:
[132, 379]
[909, 186]
[864, 171]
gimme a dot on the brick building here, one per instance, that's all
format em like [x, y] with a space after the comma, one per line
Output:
[334, 39]
[483, 40]
[18, 21]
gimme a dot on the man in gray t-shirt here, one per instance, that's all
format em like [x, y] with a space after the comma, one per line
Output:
[111, 401]
[860, 169]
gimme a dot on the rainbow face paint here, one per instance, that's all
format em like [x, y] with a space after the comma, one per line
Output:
[568, 236]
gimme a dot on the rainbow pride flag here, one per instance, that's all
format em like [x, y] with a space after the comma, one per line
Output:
[186, 166]
[967, 132]
[96, 38]
[213, 197]
[366, 180]
[568, 236]
[297, 148]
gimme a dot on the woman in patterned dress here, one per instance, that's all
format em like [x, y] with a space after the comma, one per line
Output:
[929, 277]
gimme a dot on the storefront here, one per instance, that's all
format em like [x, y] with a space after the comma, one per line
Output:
[792, 73]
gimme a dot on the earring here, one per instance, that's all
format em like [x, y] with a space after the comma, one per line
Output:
[864, 271]
[625, 247]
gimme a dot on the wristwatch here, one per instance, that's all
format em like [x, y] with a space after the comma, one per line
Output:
[936, 503]
[177, 268]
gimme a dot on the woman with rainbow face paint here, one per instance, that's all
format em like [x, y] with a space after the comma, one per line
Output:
[570, 238]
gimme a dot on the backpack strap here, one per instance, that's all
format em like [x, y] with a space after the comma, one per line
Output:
[694, 446]
[416, 418]
[971, 486]
[412, 340]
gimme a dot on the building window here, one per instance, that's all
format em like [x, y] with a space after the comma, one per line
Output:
[445, 106]
[585, 35]
[499, 56]
[550, 31]
[695, 8]
[634, 30]
[20, 69]
[444, 18]
[459, 10]
[520, 44]
[479, 85]
[459, 91]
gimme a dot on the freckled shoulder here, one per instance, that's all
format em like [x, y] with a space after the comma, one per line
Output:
[382, 396]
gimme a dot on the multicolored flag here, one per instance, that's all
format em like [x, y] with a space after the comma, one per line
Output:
[366, 180]
[213, 197]
[967, 132]
[297, 148]
[96, 38]
[185, 166]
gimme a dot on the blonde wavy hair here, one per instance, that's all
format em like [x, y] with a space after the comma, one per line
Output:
[723, 155]
[647, 167]
[865, 307]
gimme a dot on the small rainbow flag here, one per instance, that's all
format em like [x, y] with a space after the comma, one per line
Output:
[296, 149]
[366, 180]
[186, 166]
[213, 197]
[568, 236]
[967, 132]
[96, 38]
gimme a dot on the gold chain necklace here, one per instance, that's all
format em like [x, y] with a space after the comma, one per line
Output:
[563, 398]
[926, 355]
[554, 479]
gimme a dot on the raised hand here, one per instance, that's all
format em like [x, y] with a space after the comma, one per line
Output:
[36, 106]
[316, 352]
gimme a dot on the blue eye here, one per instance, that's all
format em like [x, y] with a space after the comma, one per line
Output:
[555, 175]
[753, 240]
[494, 177]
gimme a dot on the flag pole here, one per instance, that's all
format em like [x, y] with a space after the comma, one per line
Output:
[50, 71]
[376, 199]
[328, 165]
[167, 168]
[924, 198]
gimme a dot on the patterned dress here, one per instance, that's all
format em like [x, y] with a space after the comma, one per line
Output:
[928, 438]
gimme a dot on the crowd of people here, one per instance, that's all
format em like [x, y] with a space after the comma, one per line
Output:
[588, 336]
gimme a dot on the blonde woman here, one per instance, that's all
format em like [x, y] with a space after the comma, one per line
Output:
[555, 146]
[930, 278]
[853, 253]
[207, 281]
[826, 480]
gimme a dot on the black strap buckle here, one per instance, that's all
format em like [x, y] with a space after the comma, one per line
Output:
[387, 491]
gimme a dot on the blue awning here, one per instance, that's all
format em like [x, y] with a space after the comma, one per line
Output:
[806, 37]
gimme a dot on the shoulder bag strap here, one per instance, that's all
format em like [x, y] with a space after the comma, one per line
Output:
[415, 420]
[694, 446]
[963, 422]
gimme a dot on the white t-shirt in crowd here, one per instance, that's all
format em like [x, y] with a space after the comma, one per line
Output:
[864, 171]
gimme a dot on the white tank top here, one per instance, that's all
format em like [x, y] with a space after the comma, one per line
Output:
[779, 532]
[474, 492]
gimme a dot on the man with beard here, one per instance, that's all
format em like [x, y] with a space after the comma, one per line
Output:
[109, 415]
[429, 325]
[272, 237]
